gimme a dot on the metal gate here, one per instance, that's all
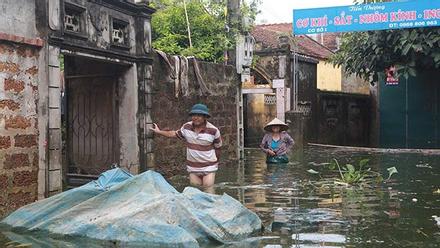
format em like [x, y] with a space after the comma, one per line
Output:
[92, 125]
[410, 112]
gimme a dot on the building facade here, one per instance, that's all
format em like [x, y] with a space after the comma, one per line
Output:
[73, 84]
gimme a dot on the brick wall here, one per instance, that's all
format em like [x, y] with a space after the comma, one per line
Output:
[18, 126]
[170, 112]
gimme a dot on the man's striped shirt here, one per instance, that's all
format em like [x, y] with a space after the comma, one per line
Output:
[200, 147]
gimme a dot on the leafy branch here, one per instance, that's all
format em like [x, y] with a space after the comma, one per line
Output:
[366, 54]
[211, 31]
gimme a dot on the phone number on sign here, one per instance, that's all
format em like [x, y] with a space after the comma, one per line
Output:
[412, 24]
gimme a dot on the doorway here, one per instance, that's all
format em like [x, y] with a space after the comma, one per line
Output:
[90, 117]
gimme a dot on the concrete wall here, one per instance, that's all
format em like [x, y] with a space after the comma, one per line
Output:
[19, 16]
[353, 84]
[18, 126]
[128, 108]
[170, 112]
[329, 77]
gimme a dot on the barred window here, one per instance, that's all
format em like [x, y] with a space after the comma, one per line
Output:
[270, 99]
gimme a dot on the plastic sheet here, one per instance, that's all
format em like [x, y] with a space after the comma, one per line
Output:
[142, 209]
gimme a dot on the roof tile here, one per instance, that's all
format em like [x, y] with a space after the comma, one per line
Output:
[268, 35]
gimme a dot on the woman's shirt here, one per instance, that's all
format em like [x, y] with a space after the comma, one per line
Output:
[275, 144]
[285, 143]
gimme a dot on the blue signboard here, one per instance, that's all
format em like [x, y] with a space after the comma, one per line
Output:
[363, 17]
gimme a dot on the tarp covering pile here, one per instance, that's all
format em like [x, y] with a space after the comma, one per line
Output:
[139, 209]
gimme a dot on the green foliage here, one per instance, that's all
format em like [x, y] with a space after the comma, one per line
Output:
[210, 35]
[61, 59]
[368, 53]
[350, 175]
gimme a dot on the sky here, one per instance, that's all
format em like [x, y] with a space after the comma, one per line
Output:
[278, 11]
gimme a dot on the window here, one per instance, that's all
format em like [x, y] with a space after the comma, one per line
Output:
[74, 19]
[270, 99]
[119, 33]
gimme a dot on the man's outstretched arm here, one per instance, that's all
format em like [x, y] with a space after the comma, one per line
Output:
[169, 134]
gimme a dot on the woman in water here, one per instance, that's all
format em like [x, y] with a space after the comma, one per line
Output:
[276, 142]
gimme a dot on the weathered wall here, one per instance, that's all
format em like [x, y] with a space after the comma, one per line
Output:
[276, 65]
[96, 26]
[170, 112]
[307, 91]
[329, 77]
[19, 97]
[256, 115]
[343, 119]
[19, 16]
[307, 87]
[128, 108]
[353, 84]
[18, 126]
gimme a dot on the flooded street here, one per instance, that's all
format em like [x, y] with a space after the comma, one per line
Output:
[298, 212]
[300, 209]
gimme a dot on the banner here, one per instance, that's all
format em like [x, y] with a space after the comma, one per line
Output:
[363, 17]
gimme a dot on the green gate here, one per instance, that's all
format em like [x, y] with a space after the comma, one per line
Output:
[409, 112]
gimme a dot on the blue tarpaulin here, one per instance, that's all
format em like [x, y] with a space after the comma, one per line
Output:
[142, 209]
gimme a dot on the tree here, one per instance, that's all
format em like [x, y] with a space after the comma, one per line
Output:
[208, 23]
[410, 50]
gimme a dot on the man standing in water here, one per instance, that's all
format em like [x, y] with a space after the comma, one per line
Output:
[203, 142]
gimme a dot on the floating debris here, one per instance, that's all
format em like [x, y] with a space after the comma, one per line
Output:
[392, 213]
[437, 220]
[312, 171]
[321, 237]
[419, 231]
[424, 166]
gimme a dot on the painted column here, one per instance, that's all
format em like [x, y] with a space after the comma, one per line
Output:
[279, 85]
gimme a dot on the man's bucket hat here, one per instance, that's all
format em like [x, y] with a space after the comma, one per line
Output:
[200, 109]
[276, 122]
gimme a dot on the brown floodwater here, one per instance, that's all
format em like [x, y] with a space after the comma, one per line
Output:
[300, 209]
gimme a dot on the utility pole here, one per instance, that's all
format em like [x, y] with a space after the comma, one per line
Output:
[234, 21]
[187, 24]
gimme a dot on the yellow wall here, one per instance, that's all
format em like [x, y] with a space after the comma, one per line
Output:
[329, 77]
[258, 114]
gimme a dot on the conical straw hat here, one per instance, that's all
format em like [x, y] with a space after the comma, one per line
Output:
[276, 122]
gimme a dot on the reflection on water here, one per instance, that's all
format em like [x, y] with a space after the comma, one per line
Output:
[298, 210]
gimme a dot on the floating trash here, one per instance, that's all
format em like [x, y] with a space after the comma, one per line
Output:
[321, 237]
[426, 165]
